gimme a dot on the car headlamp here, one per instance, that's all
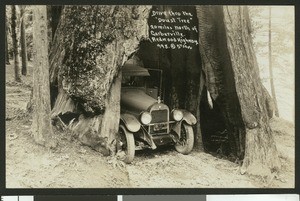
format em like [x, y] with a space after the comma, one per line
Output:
[146, 118]
[177, 115]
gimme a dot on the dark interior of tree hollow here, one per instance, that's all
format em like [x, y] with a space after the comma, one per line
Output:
[181, 83]
[213, 127]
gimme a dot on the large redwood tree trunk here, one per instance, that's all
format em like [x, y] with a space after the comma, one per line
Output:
[41, 123]
[232, 78]
[261, 155]
[90, 46]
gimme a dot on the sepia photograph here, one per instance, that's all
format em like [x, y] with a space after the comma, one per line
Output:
[149, 96]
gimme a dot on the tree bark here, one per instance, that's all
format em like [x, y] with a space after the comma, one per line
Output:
[218, 79]
[23, 42]
[199, 136]
[41, 124]
[90, 46]
[260, 145]
[232, 78]
[15, 43]
[110, 125]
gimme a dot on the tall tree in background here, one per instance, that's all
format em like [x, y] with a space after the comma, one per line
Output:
[270, 64]
[282, 53]
[15, 42]
[41, 124]
[6, 41]
[23, 41]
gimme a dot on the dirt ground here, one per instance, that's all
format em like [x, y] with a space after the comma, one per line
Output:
[73, 165]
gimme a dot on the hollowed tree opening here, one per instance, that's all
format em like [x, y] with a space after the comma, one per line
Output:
[182, 84]
[213, 127]
[188, 73]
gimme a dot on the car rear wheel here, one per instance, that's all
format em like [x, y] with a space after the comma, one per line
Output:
[127, 144]
[186, 142]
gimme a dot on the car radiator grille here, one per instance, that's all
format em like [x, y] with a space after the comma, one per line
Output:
[160, 121]
[159, 116]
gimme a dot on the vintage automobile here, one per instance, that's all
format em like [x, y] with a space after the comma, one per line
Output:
[146, 122]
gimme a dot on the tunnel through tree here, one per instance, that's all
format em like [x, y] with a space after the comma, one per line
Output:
[217, 79]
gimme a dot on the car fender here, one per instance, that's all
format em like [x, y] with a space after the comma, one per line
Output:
[188, 118]
[131, 122]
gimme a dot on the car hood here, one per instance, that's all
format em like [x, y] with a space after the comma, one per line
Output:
[135, 100]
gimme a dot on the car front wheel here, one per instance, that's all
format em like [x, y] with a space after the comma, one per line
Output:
[127, 144]
[186, 142]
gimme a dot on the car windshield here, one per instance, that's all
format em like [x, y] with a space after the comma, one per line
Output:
[133, 81]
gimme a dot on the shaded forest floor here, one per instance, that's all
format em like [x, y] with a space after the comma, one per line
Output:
[72, 165]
